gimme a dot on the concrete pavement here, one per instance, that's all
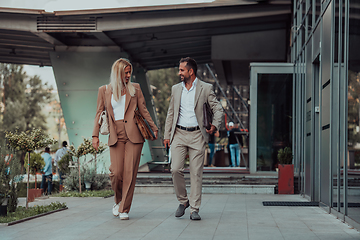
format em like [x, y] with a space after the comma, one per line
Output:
[224, 216]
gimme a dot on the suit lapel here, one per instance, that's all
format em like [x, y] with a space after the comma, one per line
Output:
[127, 101]
[177, 99]
[199, 88]
[108, 94]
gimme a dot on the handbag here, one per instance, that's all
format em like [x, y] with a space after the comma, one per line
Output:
[208, 115]
[103, 120]
[144, 126]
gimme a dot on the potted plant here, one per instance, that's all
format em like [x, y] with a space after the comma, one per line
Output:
[88, 176]
[286, 171]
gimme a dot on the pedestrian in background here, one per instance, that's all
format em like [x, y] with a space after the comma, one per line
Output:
[120, 99]
[58, 155]
[212, 143]
[234, 144]
[47, 175]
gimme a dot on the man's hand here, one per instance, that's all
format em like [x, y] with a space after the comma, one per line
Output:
[156, 134]
[211, 130]
[95, 143]
[167, 143]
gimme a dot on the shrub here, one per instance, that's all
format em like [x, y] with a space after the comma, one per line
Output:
[9, 177]
[63, 164]
[285, 156]
[99, 181]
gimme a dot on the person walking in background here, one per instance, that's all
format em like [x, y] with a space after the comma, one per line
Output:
[47, 175]
[234, 145]
[58, 155]
[185, 132]
[211, 144]
[120, 99]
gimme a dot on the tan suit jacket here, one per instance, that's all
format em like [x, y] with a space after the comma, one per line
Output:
[203, 93]
[131, 103]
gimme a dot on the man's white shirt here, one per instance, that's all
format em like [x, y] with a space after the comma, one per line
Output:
[187, 117]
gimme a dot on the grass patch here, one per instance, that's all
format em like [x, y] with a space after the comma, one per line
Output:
[95, 193]
[22, 212]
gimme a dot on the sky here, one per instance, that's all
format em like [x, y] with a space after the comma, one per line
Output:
[46, 73]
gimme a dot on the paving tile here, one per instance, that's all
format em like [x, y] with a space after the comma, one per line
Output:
[224, 216]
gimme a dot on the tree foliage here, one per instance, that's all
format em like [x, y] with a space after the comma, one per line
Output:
[22, 99]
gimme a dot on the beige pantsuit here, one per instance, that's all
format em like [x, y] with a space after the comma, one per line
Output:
[125, 143]
[125, 159]
[193, 142]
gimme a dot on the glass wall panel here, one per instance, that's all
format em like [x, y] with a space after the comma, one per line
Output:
[274, 123]
[343, 96]
[353, 165]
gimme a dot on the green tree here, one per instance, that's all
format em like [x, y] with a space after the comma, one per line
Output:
[162, 80]
[22, 99]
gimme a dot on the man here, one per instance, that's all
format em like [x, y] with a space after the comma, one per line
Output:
[59, 154]
[185, 132]
[47, 176]
[234, 145]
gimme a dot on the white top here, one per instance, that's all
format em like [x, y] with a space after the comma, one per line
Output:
[118, 107]
[59, 154]
[187, 116]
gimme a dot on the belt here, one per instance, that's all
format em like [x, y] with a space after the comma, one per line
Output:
[190, 129]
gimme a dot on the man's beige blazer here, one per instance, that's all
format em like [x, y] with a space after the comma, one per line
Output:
[131, 103]
[203, 93]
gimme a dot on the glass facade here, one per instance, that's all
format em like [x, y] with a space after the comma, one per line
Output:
[326, 55]
[274, 111]
[353, 165]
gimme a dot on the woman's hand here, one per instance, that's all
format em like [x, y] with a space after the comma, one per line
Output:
[156, 134]
[95, 143]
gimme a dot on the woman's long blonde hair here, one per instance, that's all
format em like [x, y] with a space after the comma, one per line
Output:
[117, 78]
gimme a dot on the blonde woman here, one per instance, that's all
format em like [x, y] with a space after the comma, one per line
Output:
[120, 99]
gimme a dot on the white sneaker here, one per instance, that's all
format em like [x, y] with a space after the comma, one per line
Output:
[124, 216]
[115, 209]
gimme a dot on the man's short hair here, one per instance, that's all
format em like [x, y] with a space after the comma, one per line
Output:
[47, 149]
[64, 143]
[190, 63]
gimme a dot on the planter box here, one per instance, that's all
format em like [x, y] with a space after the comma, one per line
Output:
[34, 193]
[286, 179]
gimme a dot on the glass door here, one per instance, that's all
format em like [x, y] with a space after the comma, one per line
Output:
[271, 97]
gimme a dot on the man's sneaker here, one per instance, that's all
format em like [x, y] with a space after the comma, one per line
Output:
[124, 216]
[195, 216]
[115, 209]
[181, 209]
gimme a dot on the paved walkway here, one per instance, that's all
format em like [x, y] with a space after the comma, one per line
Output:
[224, 216]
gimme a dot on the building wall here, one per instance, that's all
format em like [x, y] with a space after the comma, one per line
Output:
[325, 53]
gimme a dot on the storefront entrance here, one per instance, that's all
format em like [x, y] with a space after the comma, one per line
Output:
[271, 97]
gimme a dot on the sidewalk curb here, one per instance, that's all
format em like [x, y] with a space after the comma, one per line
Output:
[32, 217]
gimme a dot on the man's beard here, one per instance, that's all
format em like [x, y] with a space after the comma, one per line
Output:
[184, 79]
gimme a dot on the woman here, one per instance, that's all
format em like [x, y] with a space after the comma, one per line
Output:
[120, 99]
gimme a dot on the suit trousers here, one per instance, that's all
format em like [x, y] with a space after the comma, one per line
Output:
[125, 159]
[193, 143]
